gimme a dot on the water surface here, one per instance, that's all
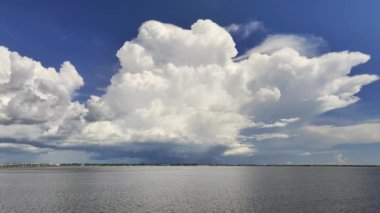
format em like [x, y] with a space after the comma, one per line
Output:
[190, 189]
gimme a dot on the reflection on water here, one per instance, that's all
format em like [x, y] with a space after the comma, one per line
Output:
[190, 189]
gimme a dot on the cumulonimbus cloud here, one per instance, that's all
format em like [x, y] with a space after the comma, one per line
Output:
[182, 87]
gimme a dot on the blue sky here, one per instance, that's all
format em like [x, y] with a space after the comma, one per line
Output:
[89, 34]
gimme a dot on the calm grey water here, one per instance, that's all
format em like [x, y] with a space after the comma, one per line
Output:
[190, 189]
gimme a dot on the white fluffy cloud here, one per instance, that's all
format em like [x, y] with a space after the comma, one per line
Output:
[182, 87]
[175, 85]
[36, 101]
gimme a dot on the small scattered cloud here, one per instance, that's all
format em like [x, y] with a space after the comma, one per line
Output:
[265, 136]
[21, 148]
[341, 160]
[243, 149]
[246, 29]
[304, 154]
[280, 123]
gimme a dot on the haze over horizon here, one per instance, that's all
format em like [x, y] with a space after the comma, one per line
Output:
[189, 82]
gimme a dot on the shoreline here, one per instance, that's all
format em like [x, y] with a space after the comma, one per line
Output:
[63, 165]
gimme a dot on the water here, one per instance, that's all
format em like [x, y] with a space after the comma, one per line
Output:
[190, 189]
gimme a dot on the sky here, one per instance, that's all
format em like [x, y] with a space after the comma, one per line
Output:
[266, 82]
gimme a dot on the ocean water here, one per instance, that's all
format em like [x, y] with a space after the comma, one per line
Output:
[190, 189]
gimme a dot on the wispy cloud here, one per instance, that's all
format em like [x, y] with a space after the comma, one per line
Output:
[266, 136]
[341, 160]
[357, 133]
[304, 154]
[280, 123]
[244, 30]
